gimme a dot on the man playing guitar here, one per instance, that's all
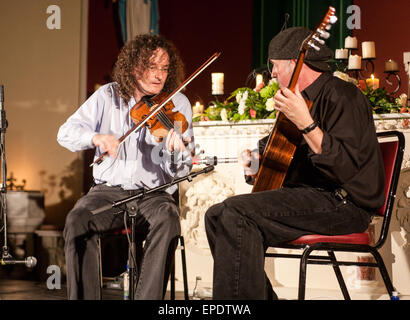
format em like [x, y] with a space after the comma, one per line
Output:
[333, 185]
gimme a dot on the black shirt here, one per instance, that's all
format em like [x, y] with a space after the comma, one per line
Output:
[351, 157]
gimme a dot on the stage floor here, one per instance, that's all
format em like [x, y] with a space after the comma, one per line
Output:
[35, 290]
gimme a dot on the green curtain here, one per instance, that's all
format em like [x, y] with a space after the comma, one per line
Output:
[269, 18]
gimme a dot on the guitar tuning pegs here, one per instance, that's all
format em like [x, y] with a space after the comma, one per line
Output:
[316, 38]
[333, 19]
[312, 45]
[324, 34]
[328, 27]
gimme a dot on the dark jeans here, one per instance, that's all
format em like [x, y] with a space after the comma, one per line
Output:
[157, 217]
[240, 229]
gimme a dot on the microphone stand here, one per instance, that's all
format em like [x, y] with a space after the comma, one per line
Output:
[6, 258]
[3, 190]
[132, 214]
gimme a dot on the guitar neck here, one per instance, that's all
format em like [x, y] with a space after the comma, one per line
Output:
[296, 72]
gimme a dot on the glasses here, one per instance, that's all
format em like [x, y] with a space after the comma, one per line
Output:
[154, 69]
[269, 65]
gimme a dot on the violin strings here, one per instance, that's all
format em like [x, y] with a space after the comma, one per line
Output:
[164, 120]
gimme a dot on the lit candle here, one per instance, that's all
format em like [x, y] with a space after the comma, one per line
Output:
[351, 43]
[391, 65]
[217, 83]
[372, 83]
[368, 50]
[341, 54]
[355, 62]
[197, 108]
[259, 79]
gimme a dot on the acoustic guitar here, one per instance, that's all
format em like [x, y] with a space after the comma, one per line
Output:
[285, 136]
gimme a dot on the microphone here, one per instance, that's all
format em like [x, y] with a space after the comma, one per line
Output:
[30, 262]
[213, 160]
[1, 97]
[206, 160]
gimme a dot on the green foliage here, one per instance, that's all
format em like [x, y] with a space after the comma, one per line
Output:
[246, 103]
[243, 104]
[381, 101]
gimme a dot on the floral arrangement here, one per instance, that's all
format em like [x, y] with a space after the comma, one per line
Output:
[382, 102]
[243, 104]
[379, 98]
[251, 104]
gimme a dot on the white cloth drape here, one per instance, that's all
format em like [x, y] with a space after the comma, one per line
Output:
[138, 17]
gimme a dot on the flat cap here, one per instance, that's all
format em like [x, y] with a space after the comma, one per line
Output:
[286, 44]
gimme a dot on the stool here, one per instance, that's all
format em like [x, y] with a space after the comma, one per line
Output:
[184, 273]
[181, 246]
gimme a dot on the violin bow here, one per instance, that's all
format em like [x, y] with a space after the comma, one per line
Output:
[205, 65]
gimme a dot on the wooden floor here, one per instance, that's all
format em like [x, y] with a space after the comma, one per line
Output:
[34, 290]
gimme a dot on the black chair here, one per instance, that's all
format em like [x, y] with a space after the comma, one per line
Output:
[181, 247]
[392, 151]
[139, 251]
[139, 239]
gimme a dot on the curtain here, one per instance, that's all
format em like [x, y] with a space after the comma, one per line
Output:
[269, 18]
[138, 17]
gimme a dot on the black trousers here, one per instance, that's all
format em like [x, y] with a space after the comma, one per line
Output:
[240, 229]
[157, 217]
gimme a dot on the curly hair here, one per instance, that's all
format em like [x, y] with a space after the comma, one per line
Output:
[135, 55]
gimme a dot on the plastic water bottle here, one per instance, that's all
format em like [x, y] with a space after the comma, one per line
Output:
[197, 293]
[395, 296]
[127, 284]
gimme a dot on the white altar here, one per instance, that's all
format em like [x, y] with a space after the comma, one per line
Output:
[227, 140]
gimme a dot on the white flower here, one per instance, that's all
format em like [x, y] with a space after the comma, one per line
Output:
[242, 103]
[241, 107]
[245, 95]
[403, 99]
[224, 116]
[345, 77]
[341, 75]
[238, 97]
[270, 104]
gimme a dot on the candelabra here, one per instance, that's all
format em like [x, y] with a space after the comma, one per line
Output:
[341, 64]
[353, 65]
[368, 61]
[395, 75]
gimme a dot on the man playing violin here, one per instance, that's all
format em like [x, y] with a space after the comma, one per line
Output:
[146, 66]
[333, 186]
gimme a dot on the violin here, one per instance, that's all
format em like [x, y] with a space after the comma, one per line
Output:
[164, 120]
[150, 112]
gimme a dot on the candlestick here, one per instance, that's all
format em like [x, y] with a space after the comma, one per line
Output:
[355, 62]
[396, 76]
[391, 66]
[351, 42]
[259, 79]
[366, 66]
[341, 57]
[341, 54]
[217, 83]
[197, 109]
[372, 83]
[368, 50]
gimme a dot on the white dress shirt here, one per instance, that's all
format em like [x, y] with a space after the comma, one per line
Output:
[141, 161]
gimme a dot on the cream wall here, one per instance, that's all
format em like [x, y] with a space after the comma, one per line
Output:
[43, 73]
